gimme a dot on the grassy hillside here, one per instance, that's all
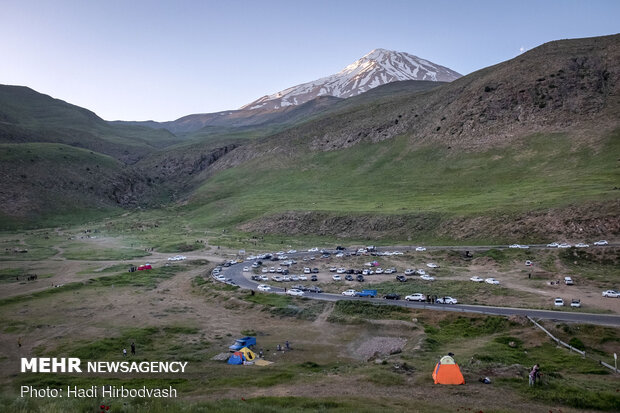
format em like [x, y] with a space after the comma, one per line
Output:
[29, 116]
[427, 184]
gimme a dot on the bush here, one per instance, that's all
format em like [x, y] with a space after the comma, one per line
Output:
[578, 344]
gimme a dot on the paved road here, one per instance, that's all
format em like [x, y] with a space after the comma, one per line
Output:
[235, 272]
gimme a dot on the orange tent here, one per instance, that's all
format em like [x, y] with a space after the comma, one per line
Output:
[447, 372]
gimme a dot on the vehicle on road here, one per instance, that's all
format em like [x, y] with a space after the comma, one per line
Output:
[476, 279]
[315, 249]
[295, 292]
[420, 249]
[601, 242]
[314, 289]
[291, 251]
[581, 245]
[349, 293]
[553, 245]
[514, 246]
[564, 245]
[220, 277]
[558, 302]
[263, 287]
[611, 294]
[416, 297]
[427, 277]
[391, 296]
[575, 302]
[367, 293]
[446, 300]
[491, 280]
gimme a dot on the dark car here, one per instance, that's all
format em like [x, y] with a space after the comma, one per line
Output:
[392, 296]
[360, 278]
[325, 256]
[255, 277]
[315, 270]
[348, 277]
[284, 272]
[401, 278]
[350, 271]
[314, 289]
[340, 248]
[314, 278]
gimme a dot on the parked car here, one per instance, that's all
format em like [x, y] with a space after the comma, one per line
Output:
[401, 278]
[349, 293]
[341, 270]
[303, 278]
[336, 277]
[553, 245]
[409, 271]
[333, 269]
[314, 278]
[528, 263]
[392, 296]
[378, 270]
[264, 278]
[581, 245]
[315, 271]
[601, 242]
[307, 270]
[514, 246]
[568, 281]
[558, 302]
[420, 249]
[416, 297]
[265, 270]
[575, 302]
[248, 342]
[611, 294]
[246, 269]
[432, 265]
[277, 278]
[446, 300]
[315, 249]
[295, 292]
[360, 278]
[491, 280]
[477, 279]
[263, 287]
[564, 245]
[291, 251]
[427, 277]
[314, 289]
[348, 277]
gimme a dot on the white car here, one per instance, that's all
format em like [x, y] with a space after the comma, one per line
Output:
[524, 247]
[581, 245]
[611, 294]
[339, 255]
[336, 277]
[333, 269]
[303, 278]
[558, 302]
[294, 277]
[389, 271]
[277, 278]
[246, 269]
[341, 270]
[553, 245]
[564, 245]
[575, 302]
[220, 277]
[416, 297]
[294, 291]
[177, 258]
[264, 278]
[420, 249]
[399, 253]
[263, 287]
[601, 242]
[279, 270]
[379, 270]
[514, 246]
[432, 265]
[491, 280]
[291, 251]
[315, 249]
[420, 272]
[426, 277]
[307, 270]
[272, 269]
[446, 300]
[265, 270]
[409, 271]
[349, 293]
[476, 279]
[528, 263]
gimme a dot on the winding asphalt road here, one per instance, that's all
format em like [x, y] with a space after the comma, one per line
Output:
[235, 272]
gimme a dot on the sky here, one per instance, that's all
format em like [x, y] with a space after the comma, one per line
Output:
[160, 60]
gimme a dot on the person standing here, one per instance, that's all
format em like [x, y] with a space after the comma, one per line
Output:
[133, 348]
[124, 352]
[534, 374]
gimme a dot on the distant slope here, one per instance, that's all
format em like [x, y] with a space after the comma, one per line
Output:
[29, 116]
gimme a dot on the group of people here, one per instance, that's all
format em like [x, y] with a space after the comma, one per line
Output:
[431, 299]
[287, 346]
[133, 350]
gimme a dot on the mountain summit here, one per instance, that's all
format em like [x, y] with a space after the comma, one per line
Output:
[377, 68]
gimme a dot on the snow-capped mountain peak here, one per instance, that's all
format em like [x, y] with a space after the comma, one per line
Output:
[376, 68]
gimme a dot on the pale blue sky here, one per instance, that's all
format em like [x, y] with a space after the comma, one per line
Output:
[138, 60]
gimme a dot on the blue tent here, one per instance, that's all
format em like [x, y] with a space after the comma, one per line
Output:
[236, 358]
